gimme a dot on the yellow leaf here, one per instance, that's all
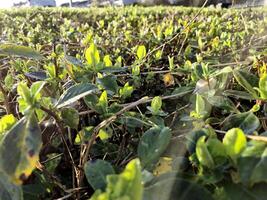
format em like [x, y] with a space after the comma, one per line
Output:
[168, 79]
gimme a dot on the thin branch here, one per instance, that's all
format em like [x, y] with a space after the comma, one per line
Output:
[61, 131]
[86, 149]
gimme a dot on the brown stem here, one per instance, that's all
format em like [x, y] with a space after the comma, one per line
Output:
[60, 126]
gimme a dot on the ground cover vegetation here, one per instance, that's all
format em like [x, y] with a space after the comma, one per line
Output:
[133, 103]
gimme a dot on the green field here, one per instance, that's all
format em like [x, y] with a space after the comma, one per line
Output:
[135, 103]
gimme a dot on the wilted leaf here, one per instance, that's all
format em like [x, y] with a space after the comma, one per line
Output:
[19, 149]
[75, 93]
[168, 79]
[96, 173]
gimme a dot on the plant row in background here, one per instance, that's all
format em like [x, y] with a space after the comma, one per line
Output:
[141, 103]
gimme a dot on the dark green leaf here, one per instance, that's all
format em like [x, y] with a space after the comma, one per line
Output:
[70, 117]
[152, 144]
[74, 61]
[109, 82]
[75, 93]
[238, 94]
[96, 173]
[242, 79]
[247, 121]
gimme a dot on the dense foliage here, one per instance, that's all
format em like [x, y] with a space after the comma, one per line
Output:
[135, 103]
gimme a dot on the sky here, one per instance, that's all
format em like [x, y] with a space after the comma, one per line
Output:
[9, 3]
[6, 3]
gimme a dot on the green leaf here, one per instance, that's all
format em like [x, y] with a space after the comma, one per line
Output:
[126, 91]
[141, 52]
[113, 70]
[216, 150]
[107, 61]
[21, 51]
[92, 55]
[36, 88]
[222, 102]
[9, 81]
[96, 173]
[152, 144]
[235, 142]
[24, 92]
[192, 139]
[74, 61]
[103, 102]
[156, 105]
[247, 121]
[70, 117]
[84, 135]
[8, 190]
[103, 134]
[263, 86]
[19, 149]
[203, 155]
[244, 83]
[238, 94]
[6, 123]
[109, 82]
[202, 106]
[183, 90]
[75, 93]
[125, 186]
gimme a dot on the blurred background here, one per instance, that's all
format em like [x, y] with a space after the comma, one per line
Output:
[87, 3]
